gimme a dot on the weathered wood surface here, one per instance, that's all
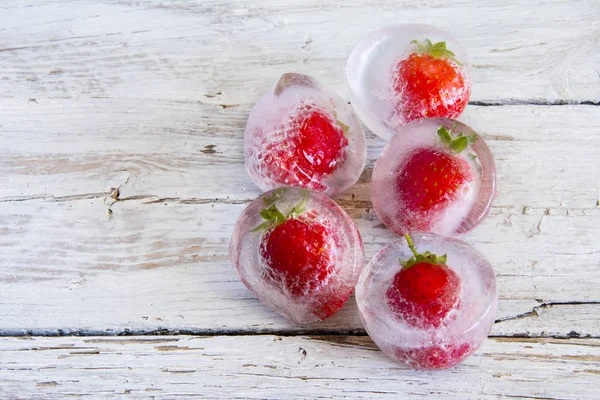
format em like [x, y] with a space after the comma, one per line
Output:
[68, 265]
[222, 52]
[259, 367]
[75, 251]
[179, 150]
[121, 176]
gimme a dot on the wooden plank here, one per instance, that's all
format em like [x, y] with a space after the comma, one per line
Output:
[121, 176]
[183, 151]
[227, 52]
[71, 254]
[70, 266]
[291, 367]
[69, 257]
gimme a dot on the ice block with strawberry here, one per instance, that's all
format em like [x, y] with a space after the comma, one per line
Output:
[427, 301]
[406, 72]
[301, 133]
[298, 252]
[435, 175]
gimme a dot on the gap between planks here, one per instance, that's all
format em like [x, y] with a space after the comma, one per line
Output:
[287, 332]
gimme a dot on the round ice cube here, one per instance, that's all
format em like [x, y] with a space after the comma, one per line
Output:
[298, 252]
[396, 304]
[301, 133]
[405, 72]
[435, 175]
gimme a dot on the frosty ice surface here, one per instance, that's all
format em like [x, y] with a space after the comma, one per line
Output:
[429, 345]
[301, 133]
[298, 252]
[405, 72]
[421, 183]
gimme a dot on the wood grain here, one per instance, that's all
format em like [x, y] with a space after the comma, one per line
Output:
[226, 52]
[128, 205]
[261, 367]
[185, 151]
[121, 176]
[70, 266]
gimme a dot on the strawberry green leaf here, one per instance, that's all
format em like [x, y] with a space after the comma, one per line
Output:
[444, 135]
[298, 208]
[277, 195]
[459, 144]
[273, 216]
[262, 227]
[435, 50]
[418, 258]
[456, 143]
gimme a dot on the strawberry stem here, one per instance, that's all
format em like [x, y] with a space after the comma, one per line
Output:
[418, 258]
[411, 245]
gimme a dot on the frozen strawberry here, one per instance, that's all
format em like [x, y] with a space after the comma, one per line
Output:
[395, 79]
[429, 179]
[301, 256]
[424, 291]
[431, 311]
[312, 147]
[298, 254]
[303, 134]
[435, 175]
[430, 82]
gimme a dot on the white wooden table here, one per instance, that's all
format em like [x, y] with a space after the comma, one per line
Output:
[121, 176]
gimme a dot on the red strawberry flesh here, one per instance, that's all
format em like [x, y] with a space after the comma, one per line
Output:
[425, 290]
[426, 184]
[311, 149]
[298, 255]
[423, 294]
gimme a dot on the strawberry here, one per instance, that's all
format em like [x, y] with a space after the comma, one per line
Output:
[299, 255]
[424, 291]
[430, 82]
[432, 178]
[310, 149]
[436, 356]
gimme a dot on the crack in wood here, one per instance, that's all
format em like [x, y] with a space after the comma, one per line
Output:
[318, 334]
[532, 397]
[532, 102]
[114, 194]
[534, 311]
[193, 200]
[51, 198]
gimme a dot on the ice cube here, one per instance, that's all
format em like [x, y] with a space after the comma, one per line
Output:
[405, 72]
[301, 133]
[421, 183]
[298, 252]
[428, 343]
